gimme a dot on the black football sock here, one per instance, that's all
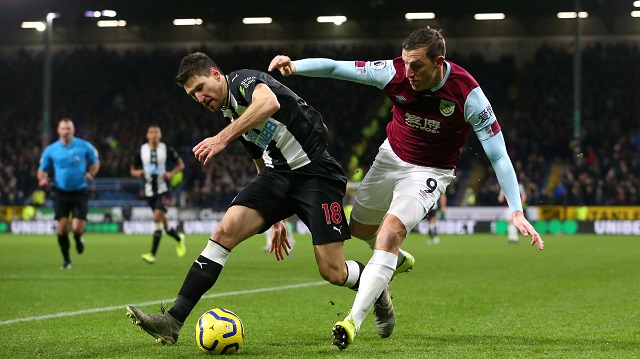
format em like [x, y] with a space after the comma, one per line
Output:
[201, 277]
[433, 230]
[63, 241]
[354, 271]
[173, 233]
[77, 237]
[157, 235]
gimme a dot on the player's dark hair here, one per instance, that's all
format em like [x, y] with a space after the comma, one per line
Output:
[196, 64]
[429, 38]
[65, 119]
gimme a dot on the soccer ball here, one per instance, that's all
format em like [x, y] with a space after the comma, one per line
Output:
[219, 331]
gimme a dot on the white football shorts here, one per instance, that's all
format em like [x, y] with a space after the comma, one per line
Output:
[393, 186]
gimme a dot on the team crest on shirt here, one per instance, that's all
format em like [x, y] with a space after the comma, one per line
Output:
[447, 107]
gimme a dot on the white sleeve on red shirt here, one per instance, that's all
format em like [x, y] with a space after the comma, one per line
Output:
[376, 73]
[479, 114]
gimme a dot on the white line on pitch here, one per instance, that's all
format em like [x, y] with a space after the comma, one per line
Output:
[106, 309]
[80, 277]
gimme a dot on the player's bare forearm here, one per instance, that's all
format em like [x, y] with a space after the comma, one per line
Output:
[42, 175]
[94, 168]
[263, 105]
[43, 178]
[177, 168]
[136, 172]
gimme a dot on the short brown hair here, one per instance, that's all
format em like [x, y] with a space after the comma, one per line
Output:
[196, 64]
[428, 38]
[65, 119]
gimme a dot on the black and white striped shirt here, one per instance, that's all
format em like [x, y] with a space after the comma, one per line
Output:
[292, 137]
[154, 162]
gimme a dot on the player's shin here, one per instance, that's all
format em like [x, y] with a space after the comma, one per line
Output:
[401, 254]
[63, 241]
[201, 277]
[374, 279]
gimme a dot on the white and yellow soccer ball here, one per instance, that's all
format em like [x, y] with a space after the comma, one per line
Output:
[219, 331]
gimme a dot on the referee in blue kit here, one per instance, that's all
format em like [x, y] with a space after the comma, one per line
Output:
[74, 162]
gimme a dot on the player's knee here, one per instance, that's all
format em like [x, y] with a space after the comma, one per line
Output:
[362, 231]
[158, 216]
[63, 227]
[221, 233]
[389, 238]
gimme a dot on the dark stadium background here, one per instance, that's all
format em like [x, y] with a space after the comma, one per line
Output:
[113, 82]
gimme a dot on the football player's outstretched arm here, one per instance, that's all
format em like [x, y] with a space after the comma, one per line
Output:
[496, 150]
[377, 74]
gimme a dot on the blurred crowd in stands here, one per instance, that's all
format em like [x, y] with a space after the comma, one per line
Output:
[113, 96]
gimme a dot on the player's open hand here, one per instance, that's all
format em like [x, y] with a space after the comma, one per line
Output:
[207, 148]
[284, 64]
[527, 229]
[279, 240]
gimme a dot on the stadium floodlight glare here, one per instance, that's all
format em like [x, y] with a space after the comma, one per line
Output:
[636, 4]
[334, 19]
[489, 16]
[635, 14]
[419, 15]
[572, 15]
[97, 13]
[38, 25]
[187, 22]
[256, 20]
[112, 23]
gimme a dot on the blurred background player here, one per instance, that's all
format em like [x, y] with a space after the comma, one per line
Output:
[269, 236]
[150, 163]
[512, 231]
[74, 162]
[436, 213]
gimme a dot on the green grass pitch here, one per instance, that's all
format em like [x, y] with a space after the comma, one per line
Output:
[468, 297]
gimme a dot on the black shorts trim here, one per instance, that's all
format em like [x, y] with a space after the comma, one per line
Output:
[160, 201]
[76, 202]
